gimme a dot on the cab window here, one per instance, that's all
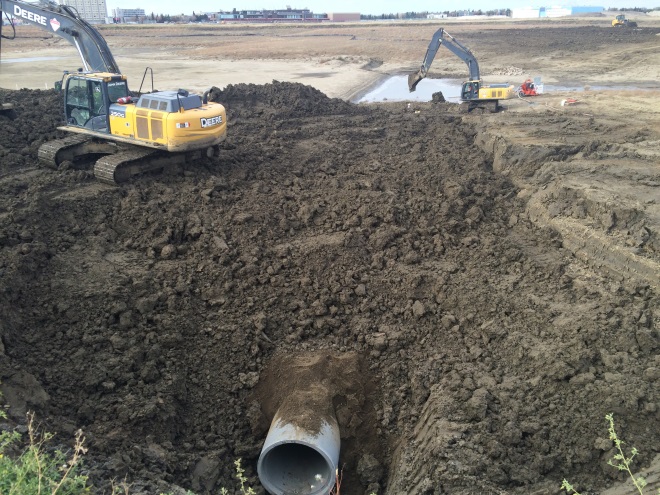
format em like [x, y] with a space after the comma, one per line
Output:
[86, 104]
[98, 102]
[77, 102]
[116, 90]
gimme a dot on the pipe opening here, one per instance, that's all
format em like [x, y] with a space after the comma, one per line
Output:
[296, 468]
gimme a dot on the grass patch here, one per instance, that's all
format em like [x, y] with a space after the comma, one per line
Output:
[38, 471]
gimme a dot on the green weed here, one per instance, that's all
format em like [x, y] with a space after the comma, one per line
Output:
[619, 461]
[37, 471]
[240, 476]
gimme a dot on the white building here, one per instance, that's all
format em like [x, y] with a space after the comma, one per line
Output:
[557, 11]
[93, 11]
[129, 15]
[554, 11]
[525, 13]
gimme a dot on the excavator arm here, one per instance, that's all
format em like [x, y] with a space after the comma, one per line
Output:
[461, 51]
[64, 21]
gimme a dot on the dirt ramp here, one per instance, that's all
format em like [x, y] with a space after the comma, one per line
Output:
[599, 194]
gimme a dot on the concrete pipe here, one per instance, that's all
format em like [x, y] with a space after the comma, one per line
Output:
[301, 452]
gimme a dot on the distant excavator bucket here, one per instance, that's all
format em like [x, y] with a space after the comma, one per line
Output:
[413, 80]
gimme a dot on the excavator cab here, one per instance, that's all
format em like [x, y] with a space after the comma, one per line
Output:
[470, 90]
[87, 99]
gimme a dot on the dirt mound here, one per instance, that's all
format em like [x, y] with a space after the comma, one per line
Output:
[148, 314]
[438, 97]
[37, 116]
[287, 99]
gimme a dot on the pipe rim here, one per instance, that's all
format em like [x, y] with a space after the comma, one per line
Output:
[276, 490]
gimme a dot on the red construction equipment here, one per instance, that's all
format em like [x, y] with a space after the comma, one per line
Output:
[527, 89]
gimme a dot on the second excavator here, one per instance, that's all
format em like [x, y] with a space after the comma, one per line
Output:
[473, 91]
[131, 135]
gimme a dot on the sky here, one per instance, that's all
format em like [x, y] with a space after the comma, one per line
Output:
[174, 7]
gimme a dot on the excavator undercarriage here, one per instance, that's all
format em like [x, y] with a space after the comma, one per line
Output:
[114, 162]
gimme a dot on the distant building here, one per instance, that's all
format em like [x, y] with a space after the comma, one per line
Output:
[124, 16]
[525, 13]
[555, 11]
[273, 16]
[587, 9]
[93, 11]
[344, 16]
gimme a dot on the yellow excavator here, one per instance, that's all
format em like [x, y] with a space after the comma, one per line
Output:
[621, 21]
[132, 135]
[473, 91]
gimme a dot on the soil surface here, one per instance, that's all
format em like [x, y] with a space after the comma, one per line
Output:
[482, 289]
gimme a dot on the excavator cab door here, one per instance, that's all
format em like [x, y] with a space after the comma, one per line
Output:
[86, 103]
[470, 91]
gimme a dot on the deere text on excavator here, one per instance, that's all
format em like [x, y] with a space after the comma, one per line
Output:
[132, 135]
[473, 91]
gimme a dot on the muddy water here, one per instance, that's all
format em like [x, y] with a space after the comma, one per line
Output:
[395, 88]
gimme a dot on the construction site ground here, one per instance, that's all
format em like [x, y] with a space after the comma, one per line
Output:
[477, 290]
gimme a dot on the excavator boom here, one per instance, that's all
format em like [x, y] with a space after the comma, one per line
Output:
[452, 44]
[64, 21]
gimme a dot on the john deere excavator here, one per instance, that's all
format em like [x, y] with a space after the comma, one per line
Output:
[132, 136]
[473, 91]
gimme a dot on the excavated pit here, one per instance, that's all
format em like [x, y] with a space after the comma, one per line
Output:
[149, 315]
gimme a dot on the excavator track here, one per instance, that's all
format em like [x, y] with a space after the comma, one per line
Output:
[71, 148]
[120, 167]
[117, 168]
[117, 163]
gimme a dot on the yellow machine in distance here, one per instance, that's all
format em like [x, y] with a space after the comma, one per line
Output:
[473, 91]
[477, 91]
[621, 21]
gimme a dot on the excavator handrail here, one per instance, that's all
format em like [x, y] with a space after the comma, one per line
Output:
[65, 21]
[144, 76]
[461, 51]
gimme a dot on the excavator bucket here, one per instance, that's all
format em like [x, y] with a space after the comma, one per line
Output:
[413, 80]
